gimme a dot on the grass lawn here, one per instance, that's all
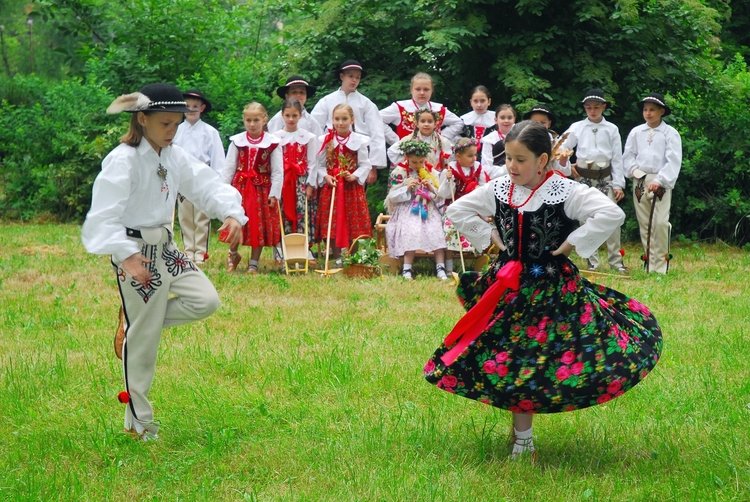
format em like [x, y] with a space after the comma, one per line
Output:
[306, 388]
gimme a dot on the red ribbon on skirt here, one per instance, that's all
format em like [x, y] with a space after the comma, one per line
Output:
[475, 321]
[295, 165]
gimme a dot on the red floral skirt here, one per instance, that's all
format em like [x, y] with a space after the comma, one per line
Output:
[263, 225]
[357, 213]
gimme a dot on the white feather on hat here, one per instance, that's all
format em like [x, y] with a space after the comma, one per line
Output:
[129, 103]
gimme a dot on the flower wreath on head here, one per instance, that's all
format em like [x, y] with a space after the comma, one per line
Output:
[415, 147]
[462, 144]
[419, 111]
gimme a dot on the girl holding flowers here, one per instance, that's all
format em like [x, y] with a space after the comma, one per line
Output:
[537, 337]
[415, 222]
[343, 162]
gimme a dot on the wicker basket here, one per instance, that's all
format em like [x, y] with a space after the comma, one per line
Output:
[357, 270]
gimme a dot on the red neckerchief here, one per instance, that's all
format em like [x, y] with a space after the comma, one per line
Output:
[466, 183]
[295, 165]
[405, 166]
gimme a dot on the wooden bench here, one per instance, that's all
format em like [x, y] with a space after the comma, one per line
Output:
[393, 265]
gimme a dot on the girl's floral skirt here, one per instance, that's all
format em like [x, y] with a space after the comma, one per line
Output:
[559, 343]
[454, 241]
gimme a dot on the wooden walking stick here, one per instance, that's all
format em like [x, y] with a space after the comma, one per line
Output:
[326, 272]
[460, 247]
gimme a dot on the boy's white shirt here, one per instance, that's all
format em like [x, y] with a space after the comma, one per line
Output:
[451, 127]
[366, 120]
[128, 193]
[600, 216]
[277, 160]
[654, 151]
[356, 142]
[604, 145]
[306, 122]
[202, 141]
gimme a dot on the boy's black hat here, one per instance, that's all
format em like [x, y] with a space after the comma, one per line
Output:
[349, 64]
[540, 108]
[196, 94]
[295, 80]
[594, 94]
[151, 98]
[656, 99]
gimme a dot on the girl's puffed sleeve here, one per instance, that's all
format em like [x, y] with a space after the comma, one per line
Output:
[469, 215]
[277, 172]
[600, 217]
[230, 164]
[399, 191]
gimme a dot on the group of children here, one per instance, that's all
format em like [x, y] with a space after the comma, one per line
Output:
[536, 338]
[286, 168]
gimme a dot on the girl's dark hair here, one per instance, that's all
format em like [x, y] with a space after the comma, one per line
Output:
[506, 106]
[436, 116]
[532, 135]
[482, 89]
[292, 103]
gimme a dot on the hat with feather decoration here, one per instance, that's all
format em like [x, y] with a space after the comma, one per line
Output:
[151, 98]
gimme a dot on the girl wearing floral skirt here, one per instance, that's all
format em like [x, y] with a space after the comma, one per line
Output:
[537, 337]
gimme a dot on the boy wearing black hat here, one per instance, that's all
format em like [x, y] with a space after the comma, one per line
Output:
[131, 219]
[204, 143]
[543, 114]
[298, 89]
[653, 157]
[367, 119]
[599, 163]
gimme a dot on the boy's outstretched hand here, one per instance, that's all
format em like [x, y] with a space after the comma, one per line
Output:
[135, 266]
[565, 248]
[231, 232]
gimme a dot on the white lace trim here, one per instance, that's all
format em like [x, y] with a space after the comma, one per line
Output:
[554, 191]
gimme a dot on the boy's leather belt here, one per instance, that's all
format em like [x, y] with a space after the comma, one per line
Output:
[594, 174]
[132, 232]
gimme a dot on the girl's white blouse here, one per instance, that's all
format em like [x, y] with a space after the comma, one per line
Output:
[598, 215]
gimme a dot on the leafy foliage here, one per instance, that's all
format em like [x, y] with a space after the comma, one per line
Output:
[236, 52]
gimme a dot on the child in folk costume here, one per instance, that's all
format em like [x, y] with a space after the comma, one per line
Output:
[296, 88]
[343, 162]
[538, 337]
[653, 157]
[462, 176]
[400, 114]
[299, 150]
[479, 122]
[204, 143]
[493, 144]
[599, 163]
[255, 166]
[131, 219]
[543, 114]
[440, 148]
[415, 222]
[366, 117]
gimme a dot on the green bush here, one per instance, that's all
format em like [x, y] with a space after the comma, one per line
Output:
[51, 146]
[712, 196]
